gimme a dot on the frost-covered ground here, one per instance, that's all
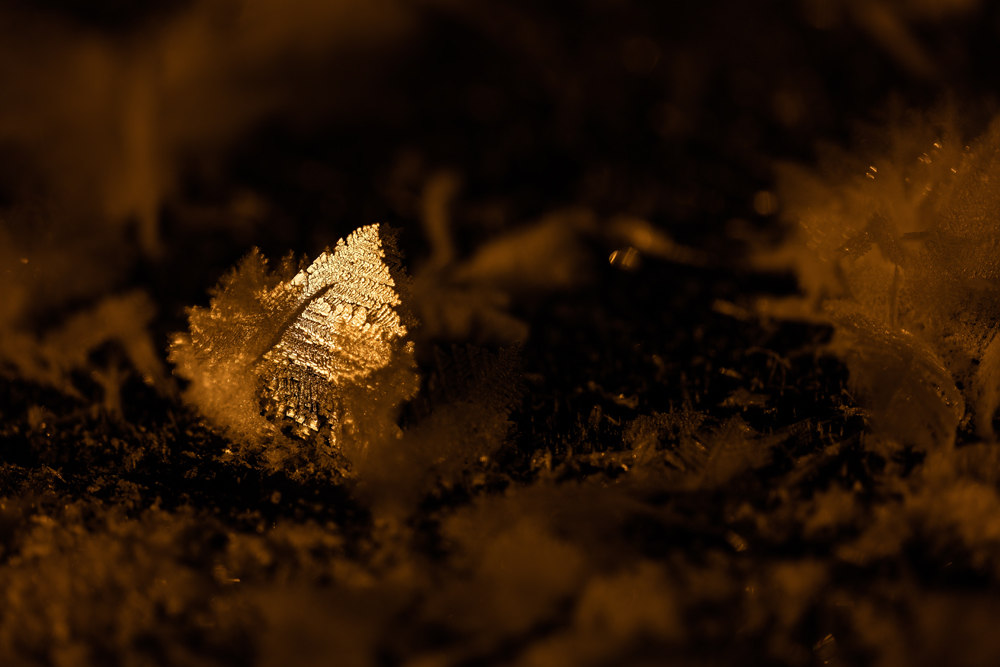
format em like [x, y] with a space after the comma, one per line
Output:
[687, 356]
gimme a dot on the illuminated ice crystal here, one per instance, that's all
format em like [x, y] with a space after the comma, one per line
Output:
[308, 366]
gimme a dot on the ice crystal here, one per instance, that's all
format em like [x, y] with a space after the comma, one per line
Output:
[677, 450]
[469, 299]
[52, 358]
[319, 356]
[902, 257]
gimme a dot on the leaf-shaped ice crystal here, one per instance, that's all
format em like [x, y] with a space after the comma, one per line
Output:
[310, 366]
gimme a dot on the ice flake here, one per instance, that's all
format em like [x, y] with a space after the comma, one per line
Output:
[320, 356]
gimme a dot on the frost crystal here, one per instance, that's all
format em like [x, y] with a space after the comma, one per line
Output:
[904, 261]
[317, 357]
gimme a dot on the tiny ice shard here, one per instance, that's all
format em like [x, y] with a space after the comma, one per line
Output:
[316, 357]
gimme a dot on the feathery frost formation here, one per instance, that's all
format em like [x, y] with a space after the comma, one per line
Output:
[900, 252]
[309, 367]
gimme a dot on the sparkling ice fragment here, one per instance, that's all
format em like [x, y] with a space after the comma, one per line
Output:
[318, 357]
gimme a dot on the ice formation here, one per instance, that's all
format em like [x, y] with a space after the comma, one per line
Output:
[903, 259]
[309, 367]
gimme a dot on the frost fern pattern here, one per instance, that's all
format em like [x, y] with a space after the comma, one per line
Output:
[308, 366]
